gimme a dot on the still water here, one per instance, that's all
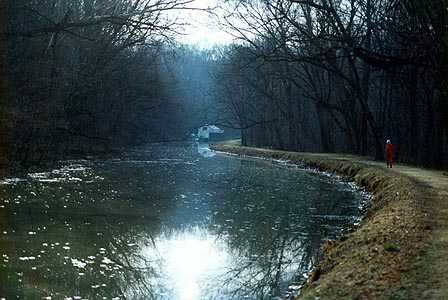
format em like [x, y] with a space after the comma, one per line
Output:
[165, 221]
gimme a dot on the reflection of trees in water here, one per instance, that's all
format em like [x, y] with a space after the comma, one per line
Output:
[112, 263]
[265, 260]
[264, 221]
[103, 236]
[272, 233]
[119, 214]
[138, 275]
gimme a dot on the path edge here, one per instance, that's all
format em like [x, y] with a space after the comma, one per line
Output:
[377, 260]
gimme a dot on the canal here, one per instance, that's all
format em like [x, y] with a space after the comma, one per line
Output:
[168, 221]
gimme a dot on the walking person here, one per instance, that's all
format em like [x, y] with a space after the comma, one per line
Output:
[389, 153]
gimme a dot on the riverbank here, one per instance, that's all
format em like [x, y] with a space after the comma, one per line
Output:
[399, 250]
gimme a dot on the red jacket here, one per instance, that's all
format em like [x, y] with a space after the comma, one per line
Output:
[389, 152]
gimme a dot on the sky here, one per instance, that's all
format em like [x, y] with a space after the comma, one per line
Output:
[202, 29]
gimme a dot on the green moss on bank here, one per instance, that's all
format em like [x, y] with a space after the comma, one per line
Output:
[391, 255]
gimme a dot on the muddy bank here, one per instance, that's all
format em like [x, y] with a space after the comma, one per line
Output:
[387, 256]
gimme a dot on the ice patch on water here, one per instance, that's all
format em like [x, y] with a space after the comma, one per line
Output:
[78, 263]
[165, 161]
[71, 168]
[13, 180]
[171, 159]
[39, 175]
[25, 258]
[107, 261]
[71, 172]
[332, 217]
[74, 179]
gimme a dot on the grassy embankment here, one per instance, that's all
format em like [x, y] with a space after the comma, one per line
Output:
[400, 250]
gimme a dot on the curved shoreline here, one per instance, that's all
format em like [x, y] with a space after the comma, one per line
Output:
[389, 256]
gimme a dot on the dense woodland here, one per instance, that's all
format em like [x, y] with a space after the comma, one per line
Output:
[341, 76]
[80, 77]
[90, 76]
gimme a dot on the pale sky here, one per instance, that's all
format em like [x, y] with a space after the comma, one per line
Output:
[203, 30]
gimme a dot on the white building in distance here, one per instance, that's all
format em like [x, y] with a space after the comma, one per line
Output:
[205, 131]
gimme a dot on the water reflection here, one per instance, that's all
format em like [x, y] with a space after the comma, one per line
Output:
[163, 222]
[204, 150]
[189, 260]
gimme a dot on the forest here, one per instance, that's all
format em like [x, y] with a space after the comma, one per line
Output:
[90, 76]
[86, 77]
[342, 76]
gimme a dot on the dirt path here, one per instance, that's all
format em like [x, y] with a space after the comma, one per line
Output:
[401, 250]
[431, 268]
[433, 178]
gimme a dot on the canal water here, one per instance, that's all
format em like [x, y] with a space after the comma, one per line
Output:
[167, 221]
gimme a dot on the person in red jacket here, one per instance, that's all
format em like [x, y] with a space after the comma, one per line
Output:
[389, 153]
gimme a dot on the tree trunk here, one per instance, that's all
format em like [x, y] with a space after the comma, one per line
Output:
[3, 89]
[292, 128]
[441, 97]
[441, 124]
[326, 145]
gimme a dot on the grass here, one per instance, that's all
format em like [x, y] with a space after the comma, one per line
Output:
[391, 247]
[400, 249]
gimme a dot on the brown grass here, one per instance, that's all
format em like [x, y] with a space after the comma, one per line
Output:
[398, 250]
